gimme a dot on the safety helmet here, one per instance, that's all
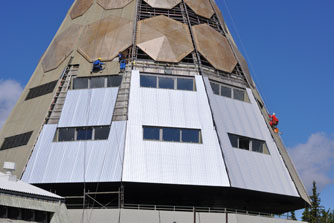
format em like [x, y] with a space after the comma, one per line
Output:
[99, 58]
[274, 113]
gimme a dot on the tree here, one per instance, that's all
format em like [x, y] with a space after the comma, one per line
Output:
[293, 215]
[315, 205]
[306, 215]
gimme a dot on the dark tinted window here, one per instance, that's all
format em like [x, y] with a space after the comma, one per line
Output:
[257, 145]
[3, 211]
[152, 133]
[148, 81]
[66, 134]
[239, 94]
[41, 216]
[102, 132]
[243, 143]
[215, 88]
[41, 90]
[234, 140]
[185, 84]
[114, 81]
[80, 83]
[27, 215]
[13, 213]
[226, 91]
[16, 141]
[97, 82]
[171, 134]
[190, 135]
[166, 82]
[84, 133]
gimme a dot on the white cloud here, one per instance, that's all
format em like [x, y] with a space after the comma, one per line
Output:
[10, 91]
[314, 160]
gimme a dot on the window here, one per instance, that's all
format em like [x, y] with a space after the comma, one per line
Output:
[167, 82]
[102, 132]
[258, 146]
[85, 133]
[152, 133]
[250, 144]
[185, 84]
[244, 143]
[80, 83]
[16, 141]
[172, 134]
[226, 91]
[229, 91]
[215, 88]
[97, 82]
[28, 215]
[191, 135]
[82, 133]
[239, 94]
[41, 90]
[114, 81]
[148, 81]
[66, 134]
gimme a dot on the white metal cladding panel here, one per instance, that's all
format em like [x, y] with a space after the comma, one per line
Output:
[56, 162]
[88, 107]
[249, 170]
[170, 162]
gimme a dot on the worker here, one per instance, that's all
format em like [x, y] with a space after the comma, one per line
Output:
[97, 65]
[273, 121]
[122, 61]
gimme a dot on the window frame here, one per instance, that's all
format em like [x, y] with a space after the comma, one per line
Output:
[265, 149]
[75, 129]
[161, 132]
[244, 90]
[89, 79]
[175, 81]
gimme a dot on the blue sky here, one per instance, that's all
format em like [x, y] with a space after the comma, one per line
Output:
[289, 45]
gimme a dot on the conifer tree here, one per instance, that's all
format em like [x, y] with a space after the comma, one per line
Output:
[306, 215]
[315, 205]
[293, 215]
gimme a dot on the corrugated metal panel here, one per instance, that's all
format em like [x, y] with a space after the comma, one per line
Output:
[22, 187]
[165, 162]
[249, 170]
[55, 162]
[88, 107]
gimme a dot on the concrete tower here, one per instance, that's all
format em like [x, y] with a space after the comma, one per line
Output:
[173, 118]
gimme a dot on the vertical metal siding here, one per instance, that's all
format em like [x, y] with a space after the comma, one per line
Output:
[249, 170]
[171, 162]
[88, 107]
[56, 162]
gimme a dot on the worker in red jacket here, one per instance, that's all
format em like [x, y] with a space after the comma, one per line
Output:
[273, 121]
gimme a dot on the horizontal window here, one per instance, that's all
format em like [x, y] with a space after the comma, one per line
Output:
[82, 133]
[172, 134]
[16, 141]
[41, 90]
[97, 82]
[167, 82]
[229, 91]
[28, 215]
[250, 144]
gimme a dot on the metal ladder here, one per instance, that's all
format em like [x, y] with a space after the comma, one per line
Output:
[58, 101]
[122, 101]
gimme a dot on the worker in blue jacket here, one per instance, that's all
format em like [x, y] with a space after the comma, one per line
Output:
[97, 65]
